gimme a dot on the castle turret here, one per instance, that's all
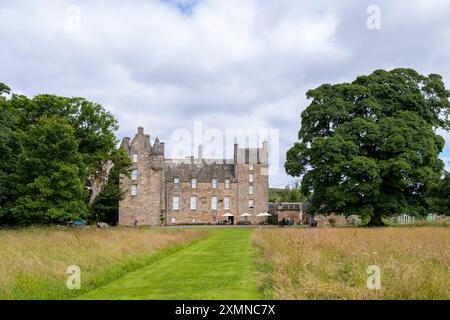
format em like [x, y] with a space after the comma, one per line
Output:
[158, 155]
[126, 144]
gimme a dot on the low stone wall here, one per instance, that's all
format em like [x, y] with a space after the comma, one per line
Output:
[292, 215]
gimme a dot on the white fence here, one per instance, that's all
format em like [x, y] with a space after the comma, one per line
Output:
[405, 219]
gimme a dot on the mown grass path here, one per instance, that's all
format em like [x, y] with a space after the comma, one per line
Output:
[219, 267]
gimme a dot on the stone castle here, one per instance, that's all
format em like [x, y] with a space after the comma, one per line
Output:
[192, 190]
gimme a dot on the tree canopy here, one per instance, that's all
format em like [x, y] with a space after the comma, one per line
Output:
[438, 195]
[51, 182]
[49, 148]
[370, 147]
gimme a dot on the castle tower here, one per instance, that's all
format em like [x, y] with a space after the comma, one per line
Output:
[142, 200]
[252, 177]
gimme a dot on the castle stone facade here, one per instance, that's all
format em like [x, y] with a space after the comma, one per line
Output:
[192, 190]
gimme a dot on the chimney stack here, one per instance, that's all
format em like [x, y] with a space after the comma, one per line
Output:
[200, 153]
[265, 155]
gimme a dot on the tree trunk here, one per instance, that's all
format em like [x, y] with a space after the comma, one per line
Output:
[99, 179]
[376, 221]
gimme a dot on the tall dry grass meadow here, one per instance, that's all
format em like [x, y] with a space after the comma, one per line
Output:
[34, 261]
[331, 263]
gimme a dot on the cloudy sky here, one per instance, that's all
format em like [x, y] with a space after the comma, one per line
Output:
[233, 64]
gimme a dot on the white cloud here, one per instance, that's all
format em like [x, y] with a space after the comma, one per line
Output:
[230, 64]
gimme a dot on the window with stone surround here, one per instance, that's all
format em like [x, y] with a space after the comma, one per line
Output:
[214, 183]
[214, 203]
[135, 157]
[250, 178]
[176, 203]
[250, 167]
[227, 203]
[251, 204]
[176, 182]
[194, 183]
[193, 203]
[250, 190]
[134, 190]
[227, 183]
[134, 175]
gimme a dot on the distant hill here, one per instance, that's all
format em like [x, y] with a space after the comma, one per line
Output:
[275, 193]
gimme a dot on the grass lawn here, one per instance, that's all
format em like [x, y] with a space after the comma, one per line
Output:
[217, 267]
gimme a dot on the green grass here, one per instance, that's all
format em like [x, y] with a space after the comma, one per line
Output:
[33, 261]
[220, 266]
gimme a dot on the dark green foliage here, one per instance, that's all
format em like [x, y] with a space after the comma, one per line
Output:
[9, 149]
[273, 219]
[50, 176]
[439, 195]
[93, 126]
[369, 147]
[4, 89]
[49, 147]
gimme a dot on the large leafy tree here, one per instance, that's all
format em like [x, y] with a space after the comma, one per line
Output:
[9, 149]
[370, 147]
[50, 176]
[93, 126]
[93, 131]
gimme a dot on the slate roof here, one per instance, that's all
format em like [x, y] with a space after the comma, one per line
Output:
[203, 172]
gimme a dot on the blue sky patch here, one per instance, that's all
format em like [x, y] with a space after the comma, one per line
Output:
[185, 6]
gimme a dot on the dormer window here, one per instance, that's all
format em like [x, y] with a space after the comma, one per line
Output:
[135, 158]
